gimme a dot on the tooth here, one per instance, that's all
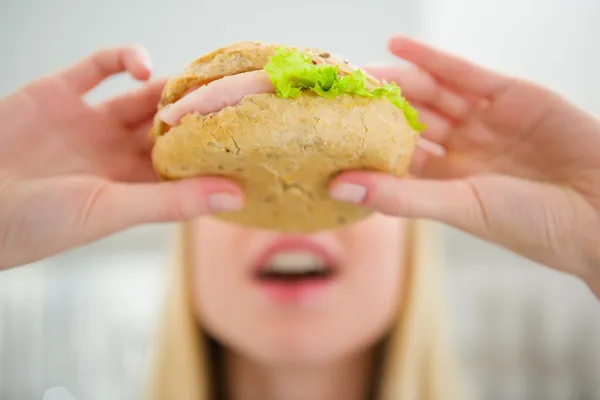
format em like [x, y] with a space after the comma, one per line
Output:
[296, 262]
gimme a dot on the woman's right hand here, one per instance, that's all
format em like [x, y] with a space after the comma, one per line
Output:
[71, 173]
[519, 165]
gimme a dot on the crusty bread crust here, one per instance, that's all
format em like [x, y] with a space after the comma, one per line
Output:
[233, 59]
[283, 152]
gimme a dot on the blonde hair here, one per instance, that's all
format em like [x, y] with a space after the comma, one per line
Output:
[417, 363]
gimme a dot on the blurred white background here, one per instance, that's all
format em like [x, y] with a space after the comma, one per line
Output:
[84, 319]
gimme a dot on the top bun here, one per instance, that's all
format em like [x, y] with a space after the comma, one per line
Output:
[283, 148]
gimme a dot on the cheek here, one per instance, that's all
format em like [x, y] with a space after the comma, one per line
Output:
[212, 287]
[376, 274]
[216, 276]
[376, 299]
[377, 288]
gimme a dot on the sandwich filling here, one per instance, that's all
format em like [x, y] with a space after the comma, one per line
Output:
[287, 74]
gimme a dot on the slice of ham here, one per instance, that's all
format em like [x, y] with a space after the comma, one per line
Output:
[229, 91]
[215, 96]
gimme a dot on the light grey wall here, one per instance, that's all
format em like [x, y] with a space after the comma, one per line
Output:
[38, 36]
[83, 319]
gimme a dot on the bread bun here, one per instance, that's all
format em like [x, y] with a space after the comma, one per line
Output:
[283, 152]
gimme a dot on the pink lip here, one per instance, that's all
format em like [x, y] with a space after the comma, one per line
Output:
[298, 293]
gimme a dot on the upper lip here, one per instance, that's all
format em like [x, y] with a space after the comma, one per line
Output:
[295, 243]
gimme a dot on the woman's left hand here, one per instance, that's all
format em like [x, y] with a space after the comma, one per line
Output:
[519, 165]
[72, 173]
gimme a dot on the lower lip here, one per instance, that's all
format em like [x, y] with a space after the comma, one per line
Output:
[295, 293]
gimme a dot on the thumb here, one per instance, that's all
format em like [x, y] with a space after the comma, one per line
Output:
[547, 223]
[454, 202]
[40, 218]
[120, 205]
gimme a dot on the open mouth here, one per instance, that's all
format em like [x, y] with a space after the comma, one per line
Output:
[295, 267]
[296, 271]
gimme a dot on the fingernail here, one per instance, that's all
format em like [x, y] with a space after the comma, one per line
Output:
[145, 58]
[224, 202]
[349, 192]
[148, 64]
[163, 114]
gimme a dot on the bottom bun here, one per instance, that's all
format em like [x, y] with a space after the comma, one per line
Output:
[284, 153]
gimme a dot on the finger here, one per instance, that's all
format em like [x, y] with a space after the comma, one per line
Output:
[120, 205]
[95, 68]
[142, 133]
[131, 167]
[457, 203]
[424, 153]
[419, 86]
[444, 201]
[419, 159]
[532, 218]
[147, 173]
[457, 72]
[135, 106]
[438, 127]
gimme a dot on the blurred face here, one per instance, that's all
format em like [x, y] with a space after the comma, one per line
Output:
[296, 299]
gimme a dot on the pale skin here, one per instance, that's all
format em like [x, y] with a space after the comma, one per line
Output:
[520, 168]
[520, 165]
[322, 350]
[71, 173]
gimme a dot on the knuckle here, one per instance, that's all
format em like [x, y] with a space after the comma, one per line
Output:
[402, 207]
[107, 60]
[178, 207]
[106, 52]
[93, 204]
[136, 48]
[479, 212]
[396, 204]
[177, 210]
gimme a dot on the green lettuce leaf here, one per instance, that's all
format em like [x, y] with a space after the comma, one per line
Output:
[292, 71]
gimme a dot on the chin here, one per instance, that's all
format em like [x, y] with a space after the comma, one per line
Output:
[302, 340]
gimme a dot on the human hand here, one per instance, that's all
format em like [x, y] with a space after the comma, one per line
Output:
[71, 173]
[513, 163]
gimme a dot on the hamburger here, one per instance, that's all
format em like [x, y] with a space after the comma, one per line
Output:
[282, 121]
